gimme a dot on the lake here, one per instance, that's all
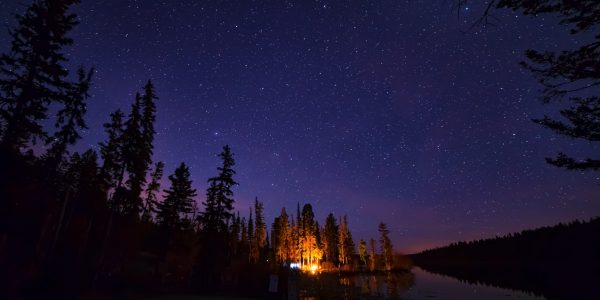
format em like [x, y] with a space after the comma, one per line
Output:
[417, 284]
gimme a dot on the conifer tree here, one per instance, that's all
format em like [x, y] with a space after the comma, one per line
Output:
[386, 246]
[343, 236]
[259, 225]
[308, 240]
[70, 118]
[362, 251]
[331, 234]
[253, 252]
[179, 199]
[295, 241]
[218, 207]
[244, 232]
[147, 121]
[133, 159]
[111, 151]
[151, 190]
[281, 237]
[372, 255]
[235, 233]
[33, 76]
[570, 74]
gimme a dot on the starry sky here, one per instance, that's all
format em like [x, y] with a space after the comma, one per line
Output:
[381, 110]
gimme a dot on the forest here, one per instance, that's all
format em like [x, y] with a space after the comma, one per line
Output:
[75, 222]
[108, 221]
[558, 262]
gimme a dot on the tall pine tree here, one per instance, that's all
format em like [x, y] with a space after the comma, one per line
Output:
[33, 77]
[218, 207]
[151, 203]
[179, 200]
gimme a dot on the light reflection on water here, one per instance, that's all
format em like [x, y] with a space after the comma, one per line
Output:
[416, 285]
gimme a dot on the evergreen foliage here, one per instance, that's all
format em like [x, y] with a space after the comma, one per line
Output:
[179, 200]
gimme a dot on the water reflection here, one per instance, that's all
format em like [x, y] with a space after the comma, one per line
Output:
[417, 284]
[356, 286]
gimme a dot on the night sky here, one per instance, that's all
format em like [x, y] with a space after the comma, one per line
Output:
[381, 110]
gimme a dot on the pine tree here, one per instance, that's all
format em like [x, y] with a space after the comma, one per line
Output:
[151, 190]
[386, 246]
[281, 237]
[218, 207]
[372, 255]
[134, 160]
[362, 251]
[147, 121]
[295, 241]
[235, 233]
[112, 151]
[259, 225]
[308, 240]
[253, 252]
[345, 242]
[244, 232]
[70, 118]
[179, 199]
[571, 73]
[331, 234]
[33, 75]
[343, 235]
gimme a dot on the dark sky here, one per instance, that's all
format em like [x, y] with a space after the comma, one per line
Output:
[381, 110]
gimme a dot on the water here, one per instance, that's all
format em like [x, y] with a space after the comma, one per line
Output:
[418, 284]
[429, 285]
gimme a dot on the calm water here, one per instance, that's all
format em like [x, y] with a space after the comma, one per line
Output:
[419, 284]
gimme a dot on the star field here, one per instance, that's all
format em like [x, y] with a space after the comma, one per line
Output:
[381, 110]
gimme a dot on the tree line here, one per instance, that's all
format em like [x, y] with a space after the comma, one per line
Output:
[558, 262]
[73, 222]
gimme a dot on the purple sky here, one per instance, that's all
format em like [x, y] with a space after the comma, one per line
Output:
[384, 111]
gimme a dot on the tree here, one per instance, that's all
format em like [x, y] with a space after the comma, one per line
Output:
[112, 151]
[244, 232]
[133, 158]
[147, 121]
[572, 74]
[179, 199]
[70, 118]
[295, 242]
[281, 237]
[345, 242]
[362, 251]
[308, 241]
[236, 227]
[386, 246]
[218, 207]
[253, 252]
[33, 77]
[153, 187]
[372, 255]
[331, 237]
[260, 226]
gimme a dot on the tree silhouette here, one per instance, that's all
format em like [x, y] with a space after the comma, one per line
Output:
[573, 74]
[179, 199]
[362, 251]
[153, 187]
[281, 236]
[260, 227]
[218, 206]
[331, 236]
[386, 245]
[111, 151]
[70, 118]
[372, 255]
[33, 77]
